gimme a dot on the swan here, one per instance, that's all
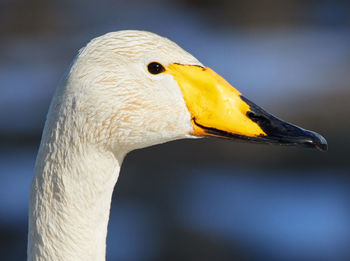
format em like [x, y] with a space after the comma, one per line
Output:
[128, 90]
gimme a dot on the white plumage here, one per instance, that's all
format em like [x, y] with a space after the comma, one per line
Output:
[109, 105]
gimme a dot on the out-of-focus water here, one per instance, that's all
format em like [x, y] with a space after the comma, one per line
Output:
[284, 218]
[212, 211]
[288, 217]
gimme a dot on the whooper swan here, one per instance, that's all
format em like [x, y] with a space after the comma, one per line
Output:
[127, 90]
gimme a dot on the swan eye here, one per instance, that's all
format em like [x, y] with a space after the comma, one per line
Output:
[155, 68]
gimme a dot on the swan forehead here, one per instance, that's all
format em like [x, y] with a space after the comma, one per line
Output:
[136, 46]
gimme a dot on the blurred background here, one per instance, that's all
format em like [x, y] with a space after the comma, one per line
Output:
[197, 199]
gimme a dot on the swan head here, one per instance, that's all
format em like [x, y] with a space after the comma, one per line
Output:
[131, 89]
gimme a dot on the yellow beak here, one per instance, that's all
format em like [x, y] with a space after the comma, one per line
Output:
[218, 109]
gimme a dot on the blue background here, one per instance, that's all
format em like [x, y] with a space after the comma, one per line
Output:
[197, 199]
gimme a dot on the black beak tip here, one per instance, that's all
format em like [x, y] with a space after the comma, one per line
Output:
[317, 141]
[321, 145]
[282, 132]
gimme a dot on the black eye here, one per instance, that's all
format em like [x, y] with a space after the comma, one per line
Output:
[155, 68]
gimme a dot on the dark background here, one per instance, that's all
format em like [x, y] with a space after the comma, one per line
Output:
[202, 199]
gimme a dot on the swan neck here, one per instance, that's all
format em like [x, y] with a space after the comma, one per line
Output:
[70, 198]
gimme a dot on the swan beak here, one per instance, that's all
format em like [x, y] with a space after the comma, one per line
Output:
[218, 109]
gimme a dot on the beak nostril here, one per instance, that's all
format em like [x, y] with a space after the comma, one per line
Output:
[257, 118]
[250, 114]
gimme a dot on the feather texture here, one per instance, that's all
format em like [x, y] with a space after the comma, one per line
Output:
[108, 105]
